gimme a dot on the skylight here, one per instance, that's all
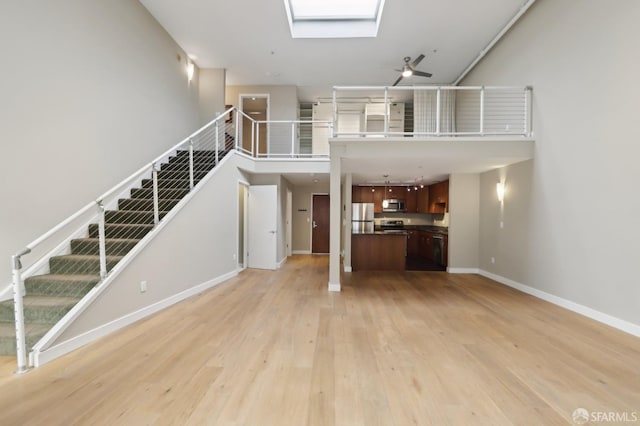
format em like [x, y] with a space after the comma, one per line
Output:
[334, 18]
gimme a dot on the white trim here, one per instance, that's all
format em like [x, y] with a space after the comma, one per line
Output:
[301, 252]
[463, 270]
[41, 358]
[281, 263]
[334, 287]
[347, 268]
[620, 324]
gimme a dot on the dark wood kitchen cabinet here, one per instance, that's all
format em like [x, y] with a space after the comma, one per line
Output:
[413, 243]
[422, 200]
[411, 200]
[425, 245]
[439, 197]
[378, 196]
[361, 194]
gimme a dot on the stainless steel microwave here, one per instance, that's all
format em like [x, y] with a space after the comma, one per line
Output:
[393, 205]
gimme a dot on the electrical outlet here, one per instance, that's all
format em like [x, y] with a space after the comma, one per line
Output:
[143, 286]
[493, 259]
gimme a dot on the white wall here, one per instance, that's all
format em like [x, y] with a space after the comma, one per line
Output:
[464, 211]
[90, 91]
[211, 93]
[571, 215]
[283, 105]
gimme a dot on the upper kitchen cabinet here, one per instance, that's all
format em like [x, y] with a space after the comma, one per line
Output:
[411, 201]
[422, 200]
[362, 194]
[439, 197]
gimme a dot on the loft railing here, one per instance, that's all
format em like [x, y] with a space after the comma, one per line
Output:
[437, 111]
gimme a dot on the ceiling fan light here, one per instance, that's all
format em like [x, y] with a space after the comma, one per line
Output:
[406, 71]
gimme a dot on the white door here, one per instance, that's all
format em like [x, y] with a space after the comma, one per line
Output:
[263, 224]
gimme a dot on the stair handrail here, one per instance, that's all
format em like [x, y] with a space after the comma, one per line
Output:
[16, 260]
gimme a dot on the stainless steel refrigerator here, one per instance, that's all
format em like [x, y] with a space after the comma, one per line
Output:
[362, 218]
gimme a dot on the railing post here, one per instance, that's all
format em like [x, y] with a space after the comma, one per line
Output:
[217, 140]
[438, 112]
[253, 139]
[386, 111]
[527, 111]
[237, 130]
[191, 184]
[156, 207]
[101, 240]
[18, 309]
[293, 139]
[335, 114]
[257, 133]
[482, 111]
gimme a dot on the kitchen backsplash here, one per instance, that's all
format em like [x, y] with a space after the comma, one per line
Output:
[414, 218]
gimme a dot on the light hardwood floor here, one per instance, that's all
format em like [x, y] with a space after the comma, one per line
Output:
[275, 348]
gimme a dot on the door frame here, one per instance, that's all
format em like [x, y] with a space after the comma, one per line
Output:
[289, 220]
[267, 96]
[243, 222]
[311, 222]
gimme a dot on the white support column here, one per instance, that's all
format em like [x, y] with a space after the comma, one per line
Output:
[348, 183]
[334, 221]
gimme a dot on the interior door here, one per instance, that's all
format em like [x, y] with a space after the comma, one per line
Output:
[320, 224]
[263, 213]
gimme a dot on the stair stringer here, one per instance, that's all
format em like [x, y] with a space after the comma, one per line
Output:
[108, 306]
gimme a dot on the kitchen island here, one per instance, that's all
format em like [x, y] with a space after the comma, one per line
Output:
[379, 251]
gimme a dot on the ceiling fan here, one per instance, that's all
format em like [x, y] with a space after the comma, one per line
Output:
[408, 69]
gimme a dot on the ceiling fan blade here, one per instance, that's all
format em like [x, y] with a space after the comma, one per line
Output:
[417, 60]
[421, 74]
[397, 81]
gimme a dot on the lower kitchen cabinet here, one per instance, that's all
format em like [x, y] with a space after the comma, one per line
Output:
[413, 243]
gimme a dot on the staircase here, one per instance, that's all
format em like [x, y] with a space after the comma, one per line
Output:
[49, 297]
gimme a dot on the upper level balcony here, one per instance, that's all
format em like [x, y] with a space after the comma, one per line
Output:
[406, 113]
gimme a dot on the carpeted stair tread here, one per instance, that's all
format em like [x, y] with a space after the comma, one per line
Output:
[162, 193]
[168, 184]
[8, 336]
[39, 309]
[60, 284]
[131, 217]
[79, 264]
[114, 246]
[121, 230]
[146, 204]
[198, 166]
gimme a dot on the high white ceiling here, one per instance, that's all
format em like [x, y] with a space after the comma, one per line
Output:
[252, 41]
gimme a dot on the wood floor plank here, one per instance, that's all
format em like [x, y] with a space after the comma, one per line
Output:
[276, 348]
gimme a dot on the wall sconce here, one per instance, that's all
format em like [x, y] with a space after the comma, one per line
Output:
[500, 191]
[190, 70]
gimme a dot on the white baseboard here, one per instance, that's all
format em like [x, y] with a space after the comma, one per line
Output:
[334, 287]
[620, 324]
[281, 263]
[301, 252]
[463, 270]
[41, 358]
[347, 268]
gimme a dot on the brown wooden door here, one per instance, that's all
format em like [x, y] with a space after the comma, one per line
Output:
[320, 224]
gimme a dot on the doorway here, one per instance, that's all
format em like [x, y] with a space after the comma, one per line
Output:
[263, 225]
[254, 137]
[320, 224]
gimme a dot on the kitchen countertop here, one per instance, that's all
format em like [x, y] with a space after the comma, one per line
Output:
[399, 232]
[429, 228]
